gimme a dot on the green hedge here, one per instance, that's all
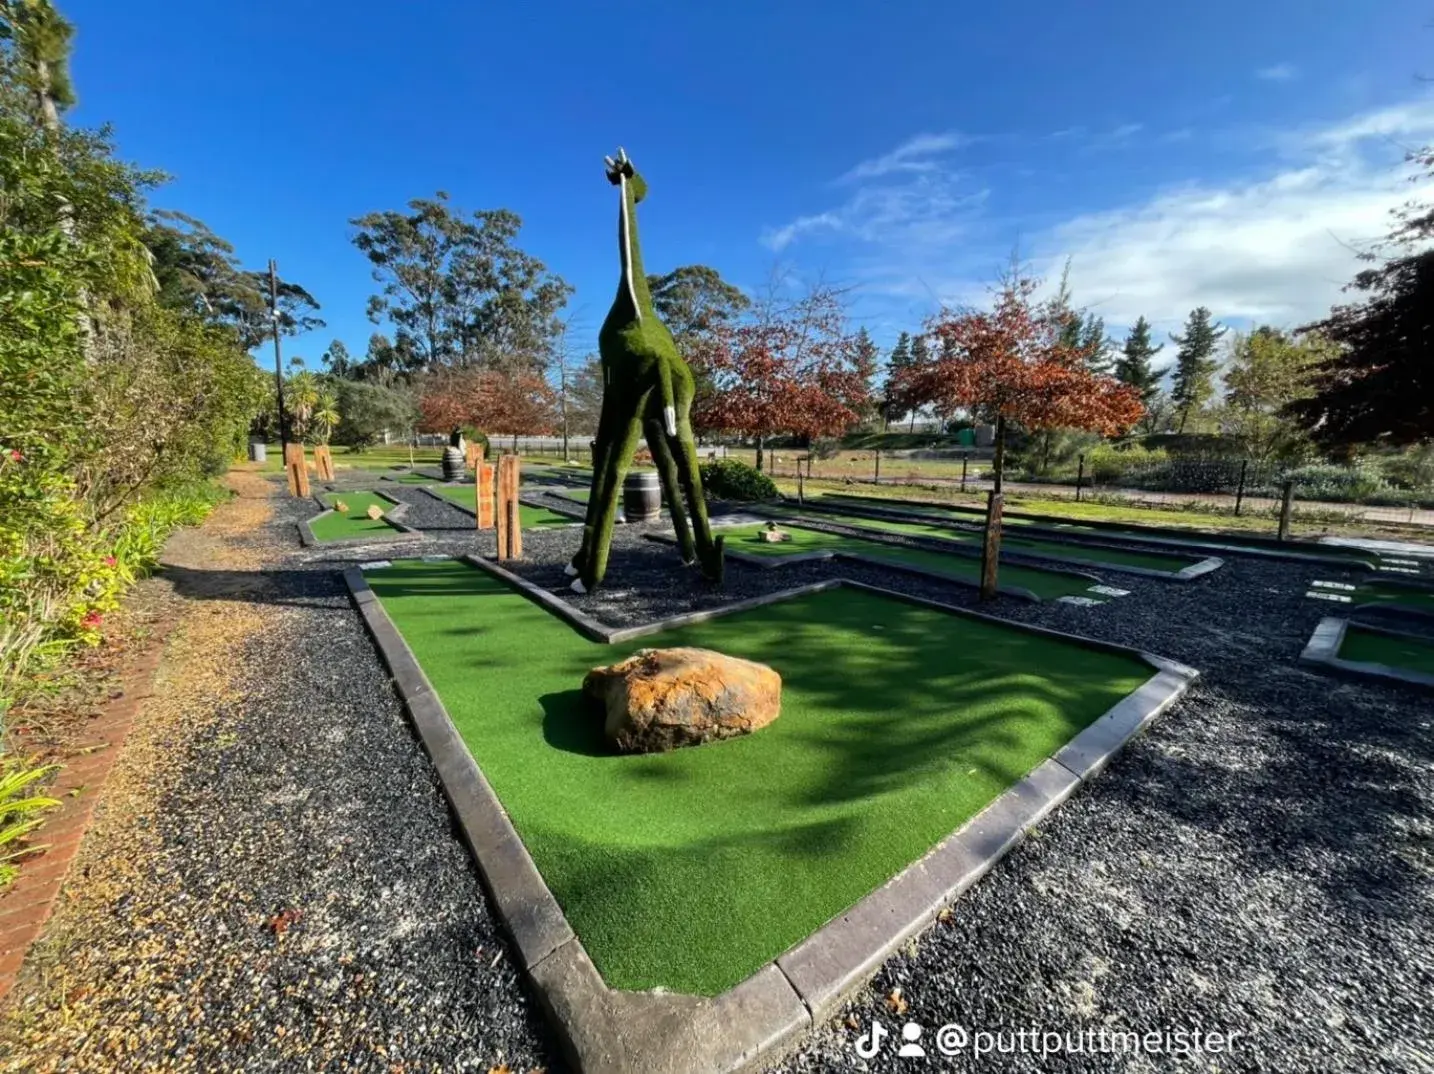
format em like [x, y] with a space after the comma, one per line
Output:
[730, 479]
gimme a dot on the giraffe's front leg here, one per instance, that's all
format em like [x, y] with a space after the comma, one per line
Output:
[671, 487]
[607, 491]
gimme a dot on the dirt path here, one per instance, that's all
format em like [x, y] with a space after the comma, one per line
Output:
[270, 880]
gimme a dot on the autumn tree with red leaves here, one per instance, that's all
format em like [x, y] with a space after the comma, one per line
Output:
[487, 399]
[792, 369]
[1015, 365]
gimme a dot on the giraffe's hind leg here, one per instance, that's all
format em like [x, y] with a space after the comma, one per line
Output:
[602, 447]
[607, 489]
[709, 552]
[671, 488]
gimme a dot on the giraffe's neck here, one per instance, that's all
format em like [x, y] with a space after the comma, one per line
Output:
[633, 286]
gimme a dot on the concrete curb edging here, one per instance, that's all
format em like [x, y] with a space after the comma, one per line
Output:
[394, 517]
[606, 1030]
[1026, 558]
[767, 563]
[1324, 644]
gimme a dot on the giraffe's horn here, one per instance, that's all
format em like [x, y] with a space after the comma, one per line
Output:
[611, 164]
[621, 155]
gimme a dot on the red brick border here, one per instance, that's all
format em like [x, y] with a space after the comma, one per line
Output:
[25, 907]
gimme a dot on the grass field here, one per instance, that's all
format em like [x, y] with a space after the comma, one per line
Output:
[935, 530]
[337, 527]
[1367, 646]
[1048, 585]
[691, 869]
[1377, 593]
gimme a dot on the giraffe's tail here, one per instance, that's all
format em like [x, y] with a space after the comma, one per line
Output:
[669, 402]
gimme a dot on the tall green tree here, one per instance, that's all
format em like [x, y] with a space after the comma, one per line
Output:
[1268, 371]
[865, 359]
[1376, 386]
[39, 56]
[898, 364]
[456, 287]
[694, 301]
[1135, 365]
[198, 272]
[1195, 365]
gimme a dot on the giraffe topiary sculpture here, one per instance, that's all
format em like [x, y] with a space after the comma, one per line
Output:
[647, 391]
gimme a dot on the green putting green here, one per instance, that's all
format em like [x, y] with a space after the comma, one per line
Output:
[1382, 593]
[356, 523]
[1047, 585]
[691, 869]
[528, 517]
[1109, 557]
[1372, 647]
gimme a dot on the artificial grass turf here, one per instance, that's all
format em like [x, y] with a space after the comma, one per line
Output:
[1372, 647]
[1045, 584]
[691, 869]
[1155, 561]
[528, 517]
[337, 527]
[1378, 593]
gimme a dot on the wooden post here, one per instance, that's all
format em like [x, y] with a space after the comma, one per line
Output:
[510, 528]
[1240, 489]
[298, 469]
[1287, 503]
[483, 487]
[801, 491]
[964, 459]
[475, 455]
[876, 478]
[1080, 476]
[991, 546]
[323, 462]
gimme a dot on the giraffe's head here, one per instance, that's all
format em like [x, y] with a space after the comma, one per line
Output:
[620, 169]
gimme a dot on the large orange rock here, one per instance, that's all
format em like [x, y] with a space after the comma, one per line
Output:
[660, 699]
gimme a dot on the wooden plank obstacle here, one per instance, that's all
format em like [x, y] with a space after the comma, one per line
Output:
[509, 520]
[323, 462]
[483, 486]
[298, 470]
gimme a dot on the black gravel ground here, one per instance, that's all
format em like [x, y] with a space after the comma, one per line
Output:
[1260, 863]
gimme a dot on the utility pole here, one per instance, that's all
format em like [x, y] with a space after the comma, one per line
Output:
[278, 361]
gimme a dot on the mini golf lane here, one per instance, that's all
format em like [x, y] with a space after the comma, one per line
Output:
[529, 517]
[1198, 541]
[1108, 558]
[1363, 646]
[690, 870]
[356, 523]
[1047, 585]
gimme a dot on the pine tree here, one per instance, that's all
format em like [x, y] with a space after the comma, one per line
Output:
[920, 356]
[899, 359]
[1133, 366]
[1195, 365]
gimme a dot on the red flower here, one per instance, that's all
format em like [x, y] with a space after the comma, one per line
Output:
[93, 620]
[15, 455]
[110, 561]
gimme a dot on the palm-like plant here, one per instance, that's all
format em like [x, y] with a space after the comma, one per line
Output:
[17, 810]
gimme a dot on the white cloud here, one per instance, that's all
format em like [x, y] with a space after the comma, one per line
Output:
[1273, 244]
[1280, 72]
[913, 155]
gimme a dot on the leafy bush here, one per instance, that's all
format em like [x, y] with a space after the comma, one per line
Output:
[731, 479]
[1412, 469]
[18, 809]
[1325, 481]
[1106, 464]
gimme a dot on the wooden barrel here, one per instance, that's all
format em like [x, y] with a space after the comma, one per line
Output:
[641, 496]
[454, 466]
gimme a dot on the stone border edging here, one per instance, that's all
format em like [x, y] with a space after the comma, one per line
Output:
[768, 563]
[1274, 548]
[606, 1030]
[393, 517]
[1032, 559]
[1324, 644]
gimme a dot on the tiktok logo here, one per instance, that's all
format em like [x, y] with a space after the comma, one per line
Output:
[869, 1043]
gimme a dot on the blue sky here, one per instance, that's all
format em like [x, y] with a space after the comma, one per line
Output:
[1219, 153]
